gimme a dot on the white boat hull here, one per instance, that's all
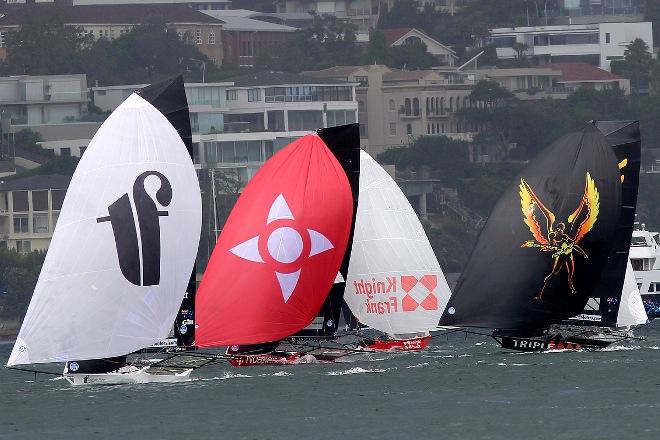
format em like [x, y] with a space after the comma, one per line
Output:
[142, 375]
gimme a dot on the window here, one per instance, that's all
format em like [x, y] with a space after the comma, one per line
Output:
[392, 105]
[339, 117]
[57, 198]
[392, 128]
[2, 39]
[23, 246]
[21, 224]
[20, 199]
[40, 223]
[66, 151]
[198, 36]
[442, 106]
[415, 107]
[40, 200]
[254, 95]
[82, 150]
[607, 37]
[407, 107]
[409, 128]
[100, 92]
[309, 94]
[211, 37]
[232, 95]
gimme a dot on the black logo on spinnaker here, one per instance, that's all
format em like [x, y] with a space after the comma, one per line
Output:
[147, 271]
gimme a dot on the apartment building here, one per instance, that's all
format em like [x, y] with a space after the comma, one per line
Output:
[55, 106]
[199, 5]
[554, 81]
[29, 209]
[240, 123]
[396, 106]
[363, 14]
[110, 21]
[597, 43]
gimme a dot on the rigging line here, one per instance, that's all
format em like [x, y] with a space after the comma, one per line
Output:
[30, 370]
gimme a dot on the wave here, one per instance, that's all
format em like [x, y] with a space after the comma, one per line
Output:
[278, 374]
[226, 376]
[423, 364]
[357, 370]
[621, 348]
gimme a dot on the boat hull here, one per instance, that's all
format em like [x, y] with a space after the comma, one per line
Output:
[252, 360]
[142, 375]
[542, 344]
[414, 344]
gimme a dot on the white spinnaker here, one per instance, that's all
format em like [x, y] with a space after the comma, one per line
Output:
[631, 309]
[391, 254]
[83, 307]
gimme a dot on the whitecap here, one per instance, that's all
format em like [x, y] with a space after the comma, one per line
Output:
[356, 370]
[423, 364]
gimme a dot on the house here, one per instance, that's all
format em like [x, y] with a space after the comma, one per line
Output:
[597, 43]
[402, 36]
[29, 209]
[244, 39]
[199, 5]
[395, 106]
[583, 75]
[111, 21]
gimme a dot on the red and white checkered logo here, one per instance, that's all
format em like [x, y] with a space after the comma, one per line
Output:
[430, 301]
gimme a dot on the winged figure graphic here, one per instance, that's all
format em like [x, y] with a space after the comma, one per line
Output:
[559, 239]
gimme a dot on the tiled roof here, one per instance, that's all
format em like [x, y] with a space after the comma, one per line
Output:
[107, 14]
[392, 35]
[38, 181]
[575, 72]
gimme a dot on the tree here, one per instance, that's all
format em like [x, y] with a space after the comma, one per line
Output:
[378, 52]
[412, 56]
[520, 49]
[490, 93]
[636, 65]
[45, 46]
[328, 42]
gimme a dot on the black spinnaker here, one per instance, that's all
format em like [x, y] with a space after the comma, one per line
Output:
[546, 241]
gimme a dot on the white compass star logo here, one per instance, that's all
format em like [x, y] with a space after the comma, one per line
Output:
[285, 245]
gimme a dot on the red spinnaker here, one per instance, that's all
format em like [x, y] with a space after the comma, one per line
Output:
[279, 251]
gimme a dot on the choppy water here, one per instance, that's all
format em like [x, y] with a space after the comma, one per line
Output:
[458, 389]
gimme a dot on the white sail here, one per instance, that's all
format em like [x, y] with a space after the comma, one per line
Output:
[394, 284]
[631, 309]
[124, 246]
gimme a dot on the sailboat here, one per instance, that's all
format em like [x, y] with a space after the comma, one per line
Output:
[122, 253]
[278, 255]
[395, 284]
[546, 244]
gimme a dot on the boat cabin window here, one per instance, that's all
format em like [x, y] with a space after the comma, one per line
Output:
[641, 263]
[638, 241]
